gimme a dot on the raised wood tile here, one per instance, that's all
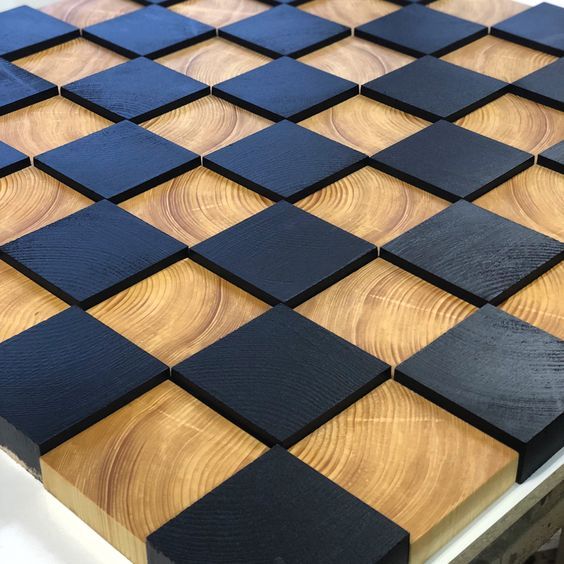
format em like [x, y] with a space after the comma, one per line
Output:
[519, 122]
[83, 13]
[178, 311]
[137, 468]
[386, 311]
[206, 124]
[350, 13]
[372, 205]
[364, 124]
[48, 124]
[218, 13]
[31, 199]
[409, 459]
[485, 12]
[12, 160]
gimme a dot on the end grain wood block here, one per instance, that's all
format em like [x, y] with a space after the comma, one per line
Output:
[218, 13]
[364, 124]
[408, 458]
[178, 311]
[83, 13]
[136, 469]
[485, 12]
[206, 125]
[48, 124]
[516, 121]
[350, 13]
[386, 311]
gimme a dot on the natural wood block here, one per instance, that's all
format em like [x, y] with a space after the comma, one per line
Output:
[214, 60]
[386, 311]
[373, 205]
[206, 124]
[23, 303]
[196, 205]
[137, 468]
[409, 459]
[519, 122]
[356, 59]
[534, 198]
[540, 303]
[178, 311]
[499, 58]
[47, 125]
[70, 61]
[219, 12]
[83, 13]
[30, 199]
[350, 13]
[365, 125]
[485, 12]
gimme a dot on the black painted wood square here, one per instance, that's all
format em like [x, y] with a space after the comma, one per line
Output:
[117, 162]
[503, 376]
[545, 86]
[283, 254]
[286, 89]
[20, 88]
[285, 161]
[540, 27]
[280, 510]
[150, 32]
[408, 2]
[452, 162]
[284, 30]
[280, 376]
[11, 160]
[24, 31]
[92, 254]
[433, 89]
[417, 31]
[474, 254]
[553, 158]
[158, 2]
[137, 90]
[285, 2]
[62, 376]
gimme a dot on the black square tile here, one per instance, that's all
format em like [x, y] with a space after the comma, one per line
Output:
[408, 2]
[137, 90]
[158, 2]
[150, 32]
[285, 2]
[545, 86]
[62, 376]
[19, 88]
[285, 161]
[11, 160]
[416, 31]
[286, 89]
[452, 162]
[92, 254]
[24, 31]
[284, 30]
[503, 376]
[280, 376]
[474, 254]
[280, 510]
[117, 162]
[283, 254]
[539, 27]
[433, 89]
[553, 158]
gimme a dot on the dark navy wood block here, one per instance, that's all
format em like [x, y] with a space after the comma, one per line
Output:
[283, 254]
[279, 510]
[158, 2]
[408, 2]
[452, 162]
[285, 2]
[19, 88]
[11, 160]
[433, 89]
[24, 31]
[285, 161]
[92, 254]
[540, 27]
[474, 254]
[137, 90]
[117, 162]
[417, 31]
[503, 376]
[62, 376]
[284, 30]
[280, 376]
[545, 86]
[286, 89]
[553, 158]
[150, 32]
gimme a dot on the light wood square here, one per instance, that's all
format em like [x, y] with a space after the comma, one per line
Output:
[83, 13]
[350, 13]
[219, 13]
[485, 12]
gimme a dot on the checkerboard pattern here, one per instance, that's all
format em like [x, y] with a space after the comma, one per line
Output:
[281, 280]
